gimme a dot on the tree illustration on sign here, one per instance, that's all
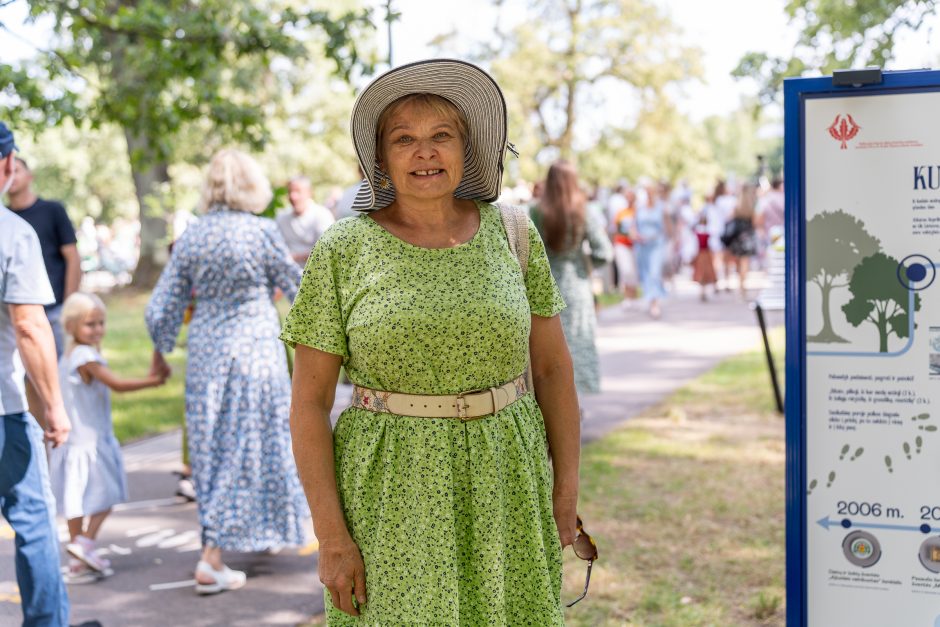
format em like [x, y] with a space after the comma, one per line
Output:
[879, 297]
[835, 244]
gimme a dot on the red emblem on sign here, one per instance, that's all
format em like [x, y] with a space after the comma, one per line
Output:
[843, 129]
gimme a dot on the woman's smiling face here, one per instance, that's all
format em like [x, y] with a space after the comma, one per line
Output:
[422, 152]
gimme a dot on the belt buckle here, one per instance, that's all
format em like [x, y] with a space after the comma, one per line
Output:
[463, 406]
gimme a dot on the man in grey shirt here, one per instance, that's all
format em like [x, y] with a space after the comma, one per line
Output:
[305, 222]
[27, 347]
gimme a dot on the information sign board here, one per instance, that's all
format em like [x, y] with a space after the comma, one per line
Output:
[863, 351]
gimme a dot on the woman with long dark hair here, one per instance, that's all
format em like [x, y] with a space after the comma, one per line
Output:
[576, 241]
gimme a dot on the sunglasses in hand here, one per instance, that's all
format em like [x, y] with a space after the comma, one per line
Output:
[586, 549]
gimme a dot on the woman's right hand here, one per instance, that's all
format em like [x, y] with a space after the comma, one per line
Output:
[343, 573]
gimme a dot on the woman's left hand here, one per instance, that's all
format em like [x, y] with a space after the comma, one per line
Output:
[565, 510]
[158, 366]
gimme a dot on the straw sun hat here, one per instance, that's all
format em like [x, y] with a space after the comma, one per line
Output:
[471, 90]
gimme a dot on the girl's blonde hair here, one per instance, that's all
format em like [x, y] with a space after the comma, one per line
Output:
[75, 308]
[235, 180]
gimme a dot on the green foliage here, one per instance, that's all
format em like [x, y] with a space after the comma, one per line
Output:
[836, 34]
[837, 242]
[552, 63]
[769, 73]
[735, 141]
[85, 169]
[277, 202]
[309, 131]
[153, 66]
[572, 63]
[663, 144]
[879, 297]
[162, 70]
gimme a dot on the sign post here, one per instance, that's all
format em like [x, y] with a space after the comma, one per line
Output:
[863, 350]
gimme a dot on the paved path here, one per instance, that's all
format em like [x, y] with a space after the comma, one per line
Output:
[154, 539]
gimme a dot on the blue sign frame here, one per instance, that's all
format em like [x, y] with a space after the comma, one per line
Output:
[796, 92]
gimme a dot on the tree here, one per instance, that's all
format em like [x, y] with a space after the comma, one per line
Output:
[155, 68]
[557, 61]
[835, 34]
[836, 243]
[879, 297]
[736, 140]
[663, 144]
[86, 169]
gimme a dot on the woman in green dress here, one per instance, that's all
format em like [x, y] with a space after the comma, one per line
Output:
[434, 500]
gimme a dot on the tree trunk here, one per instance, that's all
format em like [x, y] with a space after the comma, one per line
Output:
[148, 165]
[149, 173]
[882, 333]
[566, 140]
[826, 335]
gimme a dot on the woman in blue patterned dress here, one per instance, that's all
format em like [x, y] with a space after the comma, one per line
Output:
[237, 383]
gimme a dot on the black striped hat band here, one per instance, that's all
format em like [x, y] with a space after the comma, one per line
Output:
[471, 90]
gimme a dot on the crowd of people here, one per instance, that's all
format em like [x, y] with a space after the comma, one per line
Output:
[466, 326]
[657, 230]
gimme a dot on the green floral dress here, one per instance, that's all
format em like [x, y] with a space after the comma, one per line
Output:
[454, 520]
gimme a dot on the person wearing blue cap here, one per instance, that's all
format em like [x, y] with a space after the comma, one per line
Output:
[57, 239]
[27, 346]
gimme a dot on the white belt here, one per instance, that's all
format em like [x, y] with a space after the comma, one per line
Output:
[464, 406]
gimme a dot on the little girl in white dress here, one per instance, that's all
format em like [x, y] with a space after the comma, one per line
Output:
[87, 472]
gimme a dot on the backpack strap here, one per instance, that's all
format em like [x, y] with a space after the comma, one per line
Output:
[516, 224]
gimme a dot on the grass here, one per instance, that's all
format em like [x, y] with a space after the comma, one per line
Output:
[687, 505]
[128, 349]
[608, 299]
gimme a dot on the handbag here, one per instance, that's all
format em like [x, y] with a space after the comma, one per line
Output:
[731, 230]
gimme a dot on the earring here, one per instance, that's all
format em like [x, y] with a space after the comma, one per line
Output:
[384, 181]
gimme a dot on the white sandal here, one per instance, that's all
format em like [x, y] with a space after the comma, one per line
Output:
[83, 549]
[225, 579]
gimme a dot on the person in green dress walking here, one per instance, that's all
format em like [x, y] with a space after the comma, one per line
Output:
[433, 499]
[576, 241]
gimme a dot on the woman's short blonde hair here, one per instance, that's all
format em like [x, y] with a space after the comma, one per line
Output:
[76, 307]
[235, 180]
[431, 102]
